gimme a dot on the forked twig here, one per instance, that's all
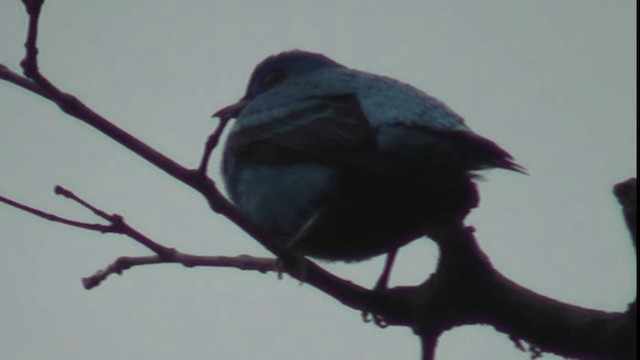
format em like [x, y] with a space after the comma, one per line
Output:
[163, 255]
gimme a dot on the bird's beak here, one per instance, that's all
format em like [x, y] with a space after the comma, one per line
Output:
[231, 111]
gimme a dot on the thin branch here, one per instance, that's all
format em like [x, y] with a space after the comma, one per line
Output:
[54, 218]
[164, 255]
[211, 144]
[241, 262]
[25, 83]
[30, 62]
[59, 190]
[118, 225]
[344, 291]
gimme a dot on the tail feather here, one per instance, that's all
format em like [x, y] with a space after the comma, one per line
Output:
[484, 153]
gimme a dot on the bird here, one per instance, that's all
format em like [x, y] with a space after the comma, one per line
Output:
[339, 164]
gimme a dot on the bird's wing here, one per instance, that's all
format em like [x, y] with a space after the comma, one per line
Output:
[335, 130]
[329, 125]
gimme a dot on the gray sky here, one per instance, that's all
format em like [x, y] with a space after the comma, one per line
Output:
[554, 82]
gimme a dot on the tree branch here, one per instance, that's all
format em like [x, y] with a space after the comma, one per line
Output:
[344, 291]
[627, 195]
[211, 144]
[51, 217]
[466, 289]
[241, 262]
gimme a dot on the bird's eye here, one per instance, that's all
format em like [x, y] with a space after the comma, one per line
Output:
[272, 78]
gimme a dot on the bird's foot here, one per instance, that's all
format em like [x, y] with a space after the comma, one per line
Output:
[296, 266]
[378, 320]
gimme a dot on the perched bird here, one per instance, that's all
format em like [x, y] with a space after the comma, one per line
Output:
[340, 164]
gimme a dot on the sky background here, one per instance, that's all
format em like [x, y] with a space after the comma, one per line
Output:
[554, 82]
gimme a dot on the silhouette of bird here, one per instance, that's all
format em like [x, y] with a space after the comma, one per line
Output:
[340, 164]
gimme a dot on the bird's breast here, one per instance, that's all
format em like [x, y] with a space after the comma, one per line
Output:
[279, 198]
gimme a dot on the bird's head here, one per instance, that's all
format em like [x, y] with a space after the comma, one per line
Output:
[275, 70]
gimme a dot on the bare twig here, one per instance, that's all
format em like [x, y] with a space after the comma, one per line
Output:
[344, 291]
[51, 217]
[118, 225]
[25, 83]
[59, 190]
[241, 262]
[164, 255]
[30, 62]
[211, 144]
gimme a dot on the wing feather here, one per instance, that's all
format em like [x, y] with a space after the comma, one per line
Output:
[329, 125]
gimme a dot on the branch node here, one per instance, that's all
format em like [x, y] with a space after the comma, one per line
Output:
[59, 190]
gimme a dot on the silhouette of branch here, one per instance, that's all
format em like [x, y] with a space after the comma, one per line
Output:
[627, 195]
[241, 262]
[211, 144]
[119, 226]
[163, 255]
[51, 217]
[344, 291]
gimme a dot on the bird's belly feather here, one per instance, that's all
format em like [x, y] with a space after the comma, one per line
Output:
[366, 214]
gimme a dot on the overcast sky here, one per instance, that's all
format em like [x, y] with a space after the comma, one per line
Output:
[554, 82]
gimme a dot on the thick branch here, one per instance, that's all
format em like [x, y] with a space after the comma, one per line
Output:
[466, 289]
[627, 195]
[557, 327]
